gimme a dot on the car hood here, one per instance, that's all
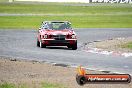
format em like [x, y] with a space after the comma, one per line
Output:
[59, 32]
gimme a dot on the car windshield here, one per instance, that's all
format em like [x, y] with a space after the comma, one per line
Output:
[57, 25]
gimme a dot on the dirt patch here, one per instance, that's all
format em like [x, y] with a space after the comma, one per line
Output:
[33, 73]
[112, 44]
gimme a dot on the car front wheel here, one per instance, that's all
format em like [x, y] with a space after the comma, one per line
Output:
[69, 46]
[38, 43]
[74, 47]
[42, 45]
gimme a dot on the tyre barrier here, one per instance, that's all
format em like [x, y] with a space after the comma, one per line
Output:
[83, 78]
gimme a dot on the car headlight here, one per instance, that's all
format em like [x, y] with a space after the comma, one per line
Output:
[73, 36]
[45, 36]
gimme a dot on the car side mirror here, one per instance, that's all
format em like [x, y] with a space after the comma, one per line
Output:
[71, 29]
[39, 28]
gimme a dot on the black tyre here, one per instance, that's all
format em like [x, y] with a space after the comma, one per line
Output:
[74, 47]
[41, 45]
[81, 80]
[38, 43]
[69, 46]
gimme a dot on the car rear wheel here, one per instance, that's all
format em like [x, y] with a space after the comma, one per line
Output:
[42, 45]
[74, 47]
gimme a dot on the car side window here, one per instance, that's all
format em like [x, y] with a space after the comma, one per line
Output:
[69, 26]
[44, 26]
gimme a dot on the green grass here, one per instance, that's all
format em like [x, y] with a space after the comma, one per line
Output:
[6, 85]
[43, 85]
[4, 0]
[127, 45]
[50, 85]
[80, 16]
[92, 21]
[61, 8]
[11, 85]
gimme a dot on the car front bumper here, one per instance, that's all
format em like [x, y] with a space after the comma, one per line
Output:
[50, 42]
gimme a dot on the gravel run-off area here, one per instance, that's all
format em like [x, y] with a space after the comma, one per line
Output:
[112, 44]
[33, 73]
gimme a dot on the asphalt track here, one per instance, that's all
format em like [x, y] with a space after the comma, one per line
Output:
[22, 44]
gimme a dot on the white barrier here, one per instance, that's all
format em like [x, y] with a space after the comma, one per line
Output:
[111, 1]
[81, 1]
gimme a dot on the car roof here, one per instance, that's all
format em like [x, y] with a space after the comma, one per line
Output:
[55, 22]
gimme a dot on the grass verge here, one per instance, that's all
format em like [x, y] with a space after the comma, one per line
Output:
[62, 8]
[4, 1]
[127, 45]
[7, 85]
[50, 85]
[116, 16]
[92, 21]
[43, 85]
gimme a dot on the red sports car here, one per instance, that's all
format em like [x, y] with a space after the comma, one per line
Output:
[56, 33]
